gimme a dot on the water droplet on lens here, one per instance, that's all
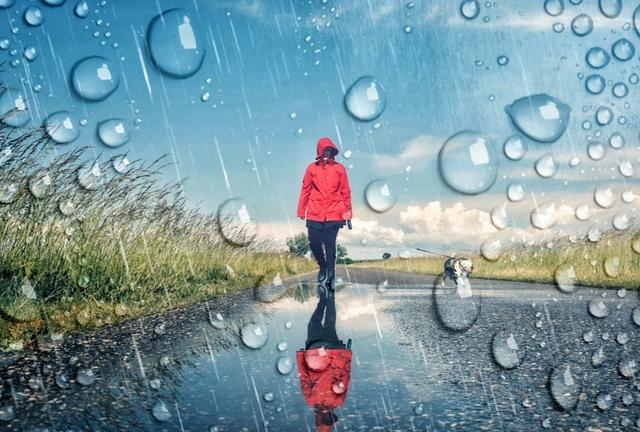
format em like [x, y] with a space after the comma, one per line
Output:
[626, 168]
[582, 24]
[616, 140]
[554, 7]
[113, 132]
[546, 166]
[502, 60]
[598, 357]
[121, 164]
[610, 8]
[598, 308]
[39, 184]
[284, 365]
[62, 381]
[514, 148]
[595, 84]
[161, 412]
[455, 312]
[627, 368]
[603, 196]
[382, 286]
[597, 58]
[236, 222]
[612, 266]
[623, 50]
[62, 127]
[85, 377]
[565, 276]
[30, 53]
[595, 150]
[268, 397]
[470, 9]
[379, 196]
[507, 349]
[604, 116]
[6, 413]
[366, 99]
[174, 43]
[468, 163]
[13, 108]
[5, 4]
[583, 212]
[516, 192]
[635, 315]
[94, 78]
[54, 2]
[558, 27]
[418, 410]
[33, 16]
[82, 9]
[541, 117]
[544, 216]
[565, 387]
[499, 216]
[90, 177]
[254, 335]
[604, 401]
[620, 90]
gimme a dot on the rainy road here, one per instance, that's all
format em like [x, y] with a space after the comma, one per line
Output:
[193, 369]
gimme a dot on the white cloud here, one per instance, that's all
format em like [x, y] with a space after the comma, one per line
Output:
[373, 232]
[415, 153]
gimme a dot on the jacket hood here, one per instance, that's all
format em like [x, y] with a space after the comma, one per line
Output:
[324, 143]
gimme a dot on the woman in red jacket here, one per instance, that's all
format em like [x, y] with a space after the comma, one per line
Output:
[325, 201]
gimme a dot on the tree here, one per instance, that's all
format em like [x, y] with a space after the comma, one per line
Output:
[341, 251]
[299, 244]
[386, 255]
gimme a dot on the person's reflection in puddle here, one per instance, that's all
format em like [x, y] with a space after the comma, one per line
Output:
[324, 365]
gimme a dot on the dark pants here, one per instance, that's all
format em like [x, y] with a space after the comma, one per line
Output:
[324, 236]
[319, 334]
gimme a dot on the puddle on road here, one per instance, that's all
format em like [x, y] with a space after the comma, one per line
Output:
[236, 369]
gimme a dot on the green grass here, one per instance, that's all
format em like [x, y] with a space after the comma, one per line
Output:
[538, 263]
[130, 248]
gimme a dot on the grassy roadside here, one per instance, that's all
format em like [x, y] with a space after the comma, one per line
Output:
[613, 261]
[88, 241]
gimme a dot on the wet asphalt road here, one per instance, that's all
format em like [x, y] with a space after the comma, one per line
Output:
[423, 360]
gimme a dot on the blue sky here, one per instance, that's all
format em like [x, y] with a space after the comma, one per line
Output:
[268, 59]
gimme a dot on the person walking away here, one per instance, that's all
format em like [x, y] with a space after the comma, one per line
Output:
[325, 202]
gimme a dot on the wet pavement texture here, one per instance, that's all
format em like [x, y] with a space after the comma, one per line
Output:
[423, 359]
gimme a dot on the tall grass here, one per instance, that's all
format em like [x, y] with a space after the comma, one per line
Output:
[610, 262]
[127, 245]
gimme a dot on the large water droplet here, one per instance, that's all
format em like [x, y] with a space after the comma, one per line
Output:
[544, 216]
[175, 44]
[582, 24]
[113, 132]
[94, 78]
[623, 50]
[625, 166]
[39, 184]
[604, 116]
[82, 9]
[254, 335]
[5, 4]
[516, 192]
[161, 411]
[284, 365]
[565, 387]
[610, 8]
[597, 58]
[598, 357]
[546, 166]
[554, 7]
[514, 148]
[236, 222]
[604, 401]
[54, 2]
[468, 163]
[8, 192]
[6, 413]
[620, 90]
[541, 117]
[33, 16]
[595, 150]
[636, 20]
[379, 196]
[635, 315]
[598, 308]
[455, 312]
[612, 266]
[30, 53]
[469, 9]
[507, 349]
[603, 196]
[13, 108]
[85, 377]
[565, 276]
[583, 212]
[595, 84]
[617, 141]
[62, 127]
[121, 164]
[366, 99]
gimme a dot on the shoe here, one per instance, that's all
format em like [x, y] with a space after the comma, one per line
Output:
[322, 274]
[331, 275]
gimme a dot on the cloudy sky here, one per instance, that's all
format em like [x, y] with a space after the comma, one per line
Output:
[273, 81]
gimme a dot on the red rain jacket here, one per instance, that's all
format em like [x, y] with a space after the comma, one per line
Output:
[324, 376]
[325, 193]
